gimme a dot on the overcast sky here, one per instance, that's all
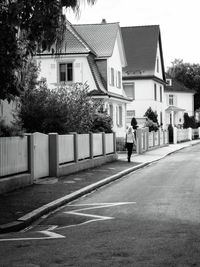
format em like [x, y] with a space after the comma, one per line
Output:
[179, 22]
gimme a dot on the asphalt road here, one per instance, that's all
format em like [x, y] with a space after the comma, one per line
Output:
[148, 218]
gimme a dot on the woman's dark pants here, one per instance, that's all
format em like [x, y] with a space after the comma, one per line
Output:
[129, 147]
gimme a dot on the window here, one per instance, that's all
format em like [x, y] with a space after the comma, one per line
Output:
[171, 100]
[119, 116]
[155, 91]
[161, 118]
[65, 72]
[169, 82]
[157, 65]
[111, 111]
[112, 77]
[118, 79]
[129, 115]
[129, 89]
[160, 93]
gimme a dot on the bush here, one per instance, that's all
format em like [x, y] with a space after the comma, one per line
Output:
[63, 110]
[10, 130]
[189, 122]
[152, 125]
[151, 115]
[101, 123]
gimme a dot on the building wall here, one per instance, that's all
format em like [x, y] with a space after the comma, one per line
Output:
[144, 98]
[158, 65]
[182, 100]
[6, 111]
[118, 128]
[49, 69]
[115, 62]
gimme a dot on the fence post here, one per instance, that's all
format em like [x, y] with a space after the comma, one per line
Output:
[103, 143]
[114, 143]
[91, 145]
[53, 155]
[30, 155]
[147, 138]
[139, 140]
[75, 147]
[159, 137]
[190, 133]
[154, 141]
[175, 135]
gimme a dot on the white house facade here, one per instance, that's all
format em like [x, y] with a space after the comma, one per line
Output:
[144, 76]
[178, 100]
[92, 54]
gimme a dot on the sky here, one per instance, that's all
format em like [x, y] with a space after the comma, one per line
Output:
[179, 22]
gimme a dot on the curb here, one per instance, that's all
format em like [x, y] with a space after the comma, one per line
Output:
[30, 217]
[27, 219]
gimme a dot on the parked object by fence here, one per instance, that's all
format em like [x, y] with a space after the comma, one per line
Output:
[37, 155]
[150, 140]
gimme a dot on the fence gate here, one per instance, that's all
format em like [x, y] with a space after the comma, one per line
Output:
[41, 155]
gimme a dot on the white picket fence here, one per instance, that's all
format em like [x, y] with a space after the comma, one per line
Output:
[13, 155]
[18, 155]
[149, 140]
[181, 135]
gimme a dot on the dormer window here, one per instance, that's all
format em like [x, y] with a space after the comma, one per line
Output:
[169, 82]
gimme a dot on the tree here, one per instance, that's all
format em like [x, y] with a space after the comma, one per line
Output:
[27, 27]
[189, 121]
[66, 109]
[152, 119]
[189, 75]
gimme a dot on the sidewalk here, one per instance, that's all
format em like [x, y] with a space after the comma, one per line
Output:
[21, 207]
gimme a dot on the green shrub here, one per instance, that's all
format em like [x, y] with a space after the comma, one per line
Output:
[63, 110]
[151, 125]
[101, 123]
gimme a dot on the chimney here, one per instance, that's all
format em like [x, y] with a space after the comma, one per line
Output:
[103, 21]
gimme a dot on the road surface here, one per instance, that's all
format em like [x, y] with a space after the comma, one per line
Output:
[148, 218]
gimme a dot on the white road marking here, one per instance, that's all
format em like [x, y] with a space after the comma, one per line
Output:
[49, 234]
[95, 217]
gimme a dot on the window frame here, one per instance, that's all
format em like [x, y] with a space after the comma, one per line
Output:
[66, 63]
[133, 85]
[171, 99]
[155, 91]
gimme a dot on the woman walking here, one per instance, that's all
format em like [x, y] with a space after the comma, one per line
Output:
[130, 141]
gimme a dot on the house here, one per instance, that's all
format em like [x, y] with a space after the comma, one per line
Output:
[144, 75]
[178, 100]
[8, 110]
[92, 54]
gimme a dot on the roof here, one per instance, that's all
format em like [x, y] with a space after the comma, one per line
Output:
[100, 37]
[177, 86]
[173, 108]
[140, 44]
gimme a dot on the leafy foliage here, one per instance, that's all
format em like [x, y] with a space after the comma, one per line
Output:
[134, 123]
[27, 27]
[189, 75]
[102, 122]
[152, 119]
[63, 110]
[189, 121]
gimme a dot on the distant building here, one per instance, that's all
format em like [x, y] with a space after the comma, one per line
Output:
[144, 75]
[178, 100]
